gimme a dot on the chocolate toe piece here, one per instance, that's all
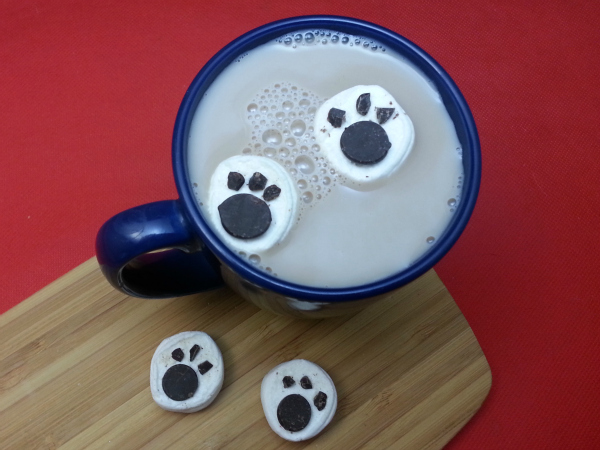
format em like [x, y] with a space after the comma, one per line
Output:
[245, 216]
[336, 117]
[194, 351]
[363, 103]
[257, 182]
[271, 193]
[180, 382]
[235, 181]
[177, 354]
[365, 142]
[305, 383]
[294, 412]
[320, 400]
[383, 114]
[288, 381]
[204, 367]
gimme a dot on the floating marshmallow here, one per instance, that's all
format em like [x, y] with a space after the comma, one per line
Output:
[252, 202]
[186, 372]
[364, 133]
[299, 399]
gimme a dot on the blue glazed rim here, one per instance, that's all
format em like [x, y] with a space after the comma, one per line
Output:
[451, 96]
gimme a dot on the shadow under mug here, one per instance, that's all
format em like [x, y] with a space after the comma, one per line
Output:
[167, 249]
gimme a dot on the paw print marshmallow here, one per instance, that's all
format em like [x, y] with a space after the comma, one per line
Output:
[364, 133]
[186, 372]
[299, 399]
[252, 202]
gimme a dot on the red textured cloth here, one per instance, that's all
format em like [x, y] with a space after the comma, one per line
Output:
[88, 97]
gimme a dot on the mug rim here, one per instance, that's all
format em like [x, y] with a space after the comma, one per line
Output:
[453, 100]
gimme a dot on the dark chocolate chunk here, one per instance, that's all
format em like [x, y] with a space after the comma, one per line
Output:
[363, 103]
[320, 400]
[288, 381]
[294, 412]
[204, 367]
[305, 383]
[177, 354]
[235, 181]
[245, 216]
[257, 182]
[194, 351]
[271, 193]
[383, 114]
[336, 117]
[180, 382]
[365, 142]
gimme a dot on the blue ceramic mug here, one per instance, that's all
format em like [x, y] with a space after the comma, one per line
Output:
[167, 248]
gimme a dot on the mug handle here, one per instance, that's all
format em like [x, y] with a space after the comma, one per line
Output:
[150, 251]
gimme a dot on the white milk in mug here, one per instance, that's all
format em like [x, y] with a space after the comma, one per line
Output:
[344, 234]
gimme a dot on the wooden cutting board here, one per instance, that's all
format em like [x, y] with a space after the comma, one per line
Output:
[75, 364]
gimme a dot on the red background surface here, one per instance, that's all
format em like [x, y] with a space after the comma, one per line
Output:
[88, 97]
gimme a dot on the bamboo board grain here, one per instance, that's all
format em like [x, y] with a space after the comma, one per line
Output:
[75, 358]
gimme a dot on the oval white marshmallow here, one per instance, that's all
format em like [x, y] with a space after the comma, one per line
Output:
[277, 388]
[399, 129]
[283, 208]
[207, 365]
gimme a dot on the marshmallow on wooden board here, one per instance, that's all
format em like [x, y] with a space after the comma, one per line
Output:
[186, 372]
[364, 116]
[299, 399]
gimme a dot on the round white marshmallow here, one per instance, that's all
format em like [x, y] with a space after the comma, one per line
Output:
[273, 391]
[399, 129]
[209, 382]
[283, 208]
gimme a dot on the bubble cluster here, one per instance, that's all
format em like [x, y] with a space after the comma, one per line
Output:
[324, 37]
[281, 118]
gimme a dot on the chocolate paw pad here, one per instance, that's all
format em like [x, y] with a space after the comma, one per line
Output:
[186, 372]
[299, 399]
[364, 133]
[252, 201]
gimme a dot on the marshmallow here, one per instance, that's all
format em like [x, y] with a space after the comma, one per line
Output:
[398, 127]
[299, 399]
[283, 208]
[186, 372]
